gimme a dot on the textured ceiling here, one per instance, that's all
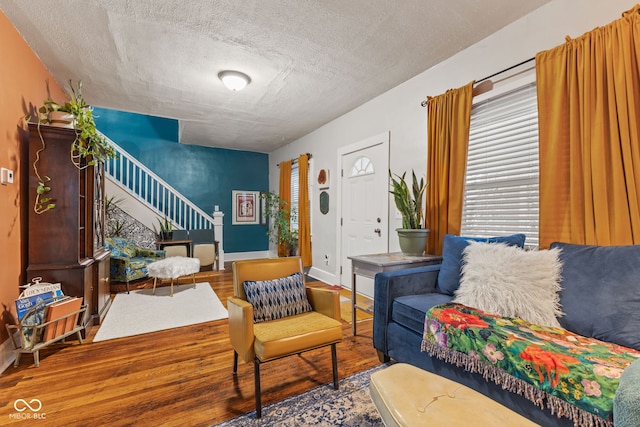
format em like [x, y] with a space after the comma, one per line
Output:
[309, 61]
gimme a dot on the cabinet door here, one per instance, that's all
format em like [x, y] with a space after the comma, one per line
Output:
[102, 288]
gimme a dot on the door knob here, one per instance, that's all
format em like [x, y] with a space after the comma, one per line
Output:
[377, 230]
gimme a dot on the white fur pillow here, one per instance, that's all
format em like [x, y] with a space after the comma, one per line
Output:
[512, 282]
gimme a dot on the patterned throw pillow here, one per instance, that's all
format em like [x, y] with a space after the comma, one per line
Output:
[278, 298]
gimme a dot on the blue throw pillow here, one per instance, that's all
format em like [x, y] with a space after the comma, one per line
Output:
[600, 293]
[452, 247]
[278, 298]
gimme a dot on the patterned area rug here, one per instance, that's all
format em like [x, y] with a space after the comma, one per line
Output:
[350, 406]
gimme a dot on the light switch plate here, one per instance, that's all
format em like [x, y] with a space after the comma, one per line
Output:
[6, 176]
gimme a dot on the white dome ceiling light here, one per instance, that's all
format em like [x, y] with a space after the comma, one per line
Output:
[234, 80]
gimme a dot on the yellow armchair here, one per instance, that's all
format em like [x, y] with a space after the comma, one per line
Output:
[285, 336]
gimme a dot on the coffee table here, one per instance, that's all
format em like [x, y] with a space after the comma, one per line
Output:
[173, 268]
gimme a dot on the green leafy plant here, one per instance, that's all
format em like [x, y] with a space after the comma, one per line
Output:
[87, 149]
[166, 228]
[409, 202]
[280, 216]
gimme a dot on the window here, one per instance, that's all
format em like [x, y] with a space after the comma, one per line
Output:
[501, 189]
[362, 166]
[295, 191]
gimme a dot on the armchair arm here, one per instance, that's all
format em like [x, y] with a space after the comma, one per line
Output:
[119, 260]
[325, 301]
[142, 252]
[389, 286]
[241, 327]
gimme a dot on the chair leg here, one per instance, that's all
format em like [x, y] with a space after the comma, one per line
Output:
[334, 362]
[235, 362]
[256, 380]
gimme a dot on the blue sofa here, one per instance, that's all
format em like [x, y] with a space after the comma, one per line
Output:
[600, 298]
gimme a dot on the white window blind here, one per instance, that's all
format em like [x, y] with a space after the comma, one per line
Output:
[295, 191]
[501, 193]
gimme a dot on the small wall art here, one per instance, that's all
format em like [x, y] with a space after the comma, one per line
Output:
[324, 202]
[323, 179]
[245, 207]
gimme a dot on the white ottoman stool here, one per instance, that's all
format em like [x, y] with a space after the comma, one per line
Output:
[173, 268]
[408, 396]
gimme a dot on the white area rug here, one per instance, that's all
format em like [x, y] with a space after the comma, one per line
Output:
[141, 312]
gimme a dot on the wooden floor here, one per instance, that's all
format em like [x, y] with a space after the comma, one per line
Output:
[176, 377]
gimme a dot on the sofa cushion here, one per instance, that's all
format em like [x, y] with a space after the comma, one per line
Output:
[278, 298]
[512, 282]
[409, 311]
[452, 247]
[600, 293]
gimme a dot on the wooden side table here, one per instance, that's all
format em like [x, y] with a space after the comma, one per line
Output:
[370, 265]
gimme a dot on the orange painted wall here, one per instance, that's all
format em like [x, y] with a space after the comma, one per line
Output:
[24, 84]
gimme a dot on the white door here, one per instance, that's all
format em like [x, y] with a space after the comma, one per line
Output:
[365, 205]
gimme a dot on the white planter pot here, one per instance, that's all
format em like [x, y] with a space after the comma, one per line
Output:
[61, 119]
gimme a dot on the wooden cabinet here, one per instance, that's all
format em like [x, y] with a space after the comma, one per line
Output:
[66, 244]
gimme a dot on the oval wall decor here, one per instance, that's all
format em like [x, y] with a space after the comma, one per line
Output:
[324, 202]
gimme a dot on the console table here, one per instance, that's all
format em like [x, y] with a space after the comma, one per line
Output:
[370, 265]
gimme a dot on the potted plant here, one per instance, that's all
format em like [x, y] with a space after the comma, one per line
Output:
[166, 229]
[413, 234]
[87, 149]
[280, 216]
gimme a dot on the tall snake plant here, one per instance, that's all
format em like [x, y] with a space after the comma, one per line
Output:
[409, 203]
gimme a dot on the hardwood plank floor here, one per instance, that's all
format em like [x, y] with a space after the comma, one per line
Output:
[177, 377]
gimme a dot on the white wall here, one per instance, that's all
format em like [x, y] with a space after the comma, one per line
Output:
[399, 110]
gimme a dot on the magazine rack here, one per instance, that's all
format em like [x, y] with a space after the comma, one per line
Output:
[30, 335]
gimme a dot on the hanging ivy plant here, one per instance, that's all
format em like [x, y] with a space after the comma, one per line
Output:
[87, 149]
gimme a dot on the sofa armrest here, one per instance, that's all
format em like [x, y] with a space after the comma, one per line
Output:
[389, 286]
[626, 403]
[325, 301]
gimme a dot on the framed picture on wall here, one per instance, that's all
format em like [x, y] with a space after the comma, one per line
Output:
[245, 207]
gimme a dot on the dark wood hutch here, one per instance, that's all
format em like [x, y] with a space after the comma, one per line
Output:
[66, 244]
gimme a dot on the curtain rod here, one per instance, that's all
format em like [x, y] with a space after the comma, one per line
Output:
[296, 160]
[425, 102]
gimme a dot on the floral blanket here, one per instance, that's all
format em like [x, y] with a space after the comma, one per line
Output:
[574, 376]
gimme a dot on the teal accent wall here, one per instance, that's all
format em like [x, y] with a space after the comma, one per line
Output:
[205, 175]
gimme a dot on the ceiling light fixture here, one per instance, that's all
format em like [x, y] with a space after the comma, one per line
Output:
[234, 80]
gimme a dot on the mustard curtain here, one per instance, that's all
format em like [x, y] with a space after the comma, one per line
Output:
[304, 217]
[589, 124]
[448, 119]
[285, 195]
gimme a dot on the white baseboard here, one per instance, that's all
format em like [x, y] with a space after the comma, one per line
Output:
[238, 256]
[323, 276]
[7, 356]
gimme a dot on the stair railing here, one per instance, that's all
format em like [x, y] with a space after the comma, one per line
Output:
[154, 192]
